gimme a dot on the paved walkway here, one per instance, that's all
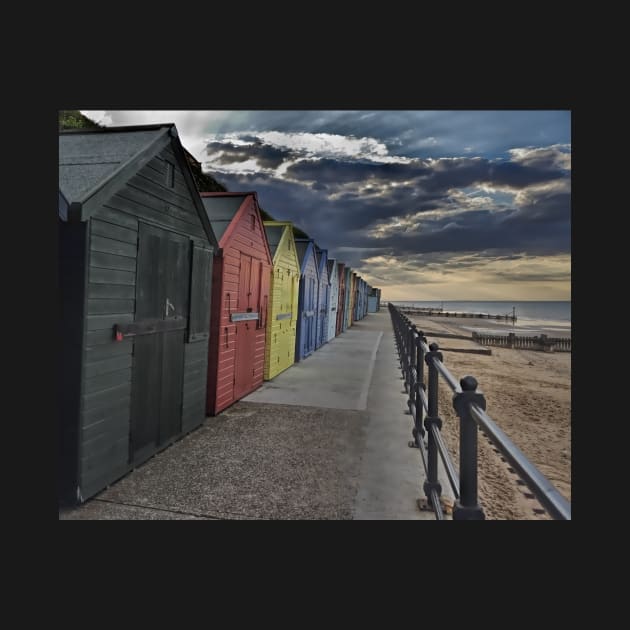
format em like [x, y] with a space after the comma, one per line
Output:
[336, 376]
[326, 439]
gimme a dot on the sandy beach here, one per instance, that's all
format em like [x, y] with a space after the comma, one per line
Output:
[528, 394]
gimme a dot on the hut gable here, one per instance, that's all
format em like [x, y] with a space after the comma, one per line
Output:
[240, 292]
[283, 299]
[308, 299]
[275, 232]
[341, 302]
[322, 297]
[333, 281]
[98, 166]
[347, 322]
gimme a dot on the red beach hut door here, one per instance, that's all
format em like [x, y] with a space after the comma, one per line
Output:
[245, 330]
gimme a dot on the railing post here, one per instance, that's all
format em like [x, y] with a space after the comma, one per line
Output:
[432, 482]
[420, 382]
[467, 507]
[411, 349]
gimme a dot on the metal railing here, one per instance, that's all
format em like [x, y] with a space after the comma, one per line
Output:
[415, 354]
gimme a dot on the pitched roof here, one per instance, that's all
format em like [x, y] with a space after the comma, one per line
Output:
[88, 157]
[321, 256]
[331, 265]
[274, 234]
[221, 209]
[93, 162]
[301, 248]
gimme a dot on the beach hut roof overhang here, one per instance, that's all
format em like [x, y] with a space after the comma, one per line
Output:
[88, 177]
[224, 210]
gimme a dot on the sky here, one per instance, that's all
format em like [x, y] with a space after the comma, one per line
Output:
[426, 205]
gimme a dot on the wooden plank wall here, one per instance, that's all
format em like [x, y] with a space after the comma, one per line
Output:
[333, 303]
[323, 297]
[280, 342]
[248, 238]
[308, 272]
[111, 290]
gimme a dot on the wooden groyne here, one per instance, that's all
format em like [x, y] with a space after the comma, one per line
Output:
[542, 342]
[438, 312]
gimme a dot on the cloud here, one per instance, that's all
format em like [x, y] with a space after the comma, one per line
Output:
[443, 276]
[557, 156]
[411, 197]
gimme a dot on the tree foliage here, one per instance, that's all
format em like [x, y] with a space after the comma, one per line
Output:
[74, 119]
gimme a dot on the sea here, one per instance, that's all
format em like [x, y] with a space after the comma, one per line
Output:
[532, 317]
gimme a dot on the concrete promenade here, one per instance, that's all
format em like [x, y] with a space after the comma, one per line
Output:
[325, 439]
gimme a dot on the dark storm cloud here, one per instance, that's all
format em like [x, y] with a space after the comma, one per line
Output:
[437, 190]
[541, 206]
[514, 175]
[362, 207]
[409, 133]
[441, 174]
[347, 223]
[429, 176]
[486, 230]
[266, 156]
[336, 171]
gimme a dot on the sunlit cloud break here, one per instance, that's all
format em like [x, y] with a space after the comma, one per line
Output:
[301, 145]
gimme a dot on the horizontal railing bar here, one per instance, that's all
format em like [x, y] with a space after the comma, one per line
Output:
[542, 488]
[451, 381]
[437, 506]
[452, 475]
[423, 398]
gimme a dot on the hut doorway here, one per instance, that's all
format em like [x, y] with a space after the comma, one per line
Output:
[248, 299]
[160, 322]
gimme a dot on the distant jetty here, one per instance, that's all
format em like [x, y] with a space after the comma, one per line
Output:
[440, 312]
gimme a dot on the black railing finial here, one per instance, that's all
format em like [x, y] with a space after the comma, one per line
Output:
[468, 383]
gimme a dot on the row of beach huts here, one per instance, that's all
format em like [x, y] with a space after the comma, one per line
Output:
[174, 304]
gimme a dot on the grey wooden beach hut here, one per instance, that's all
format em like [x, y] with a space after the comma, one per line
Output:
[135, 268]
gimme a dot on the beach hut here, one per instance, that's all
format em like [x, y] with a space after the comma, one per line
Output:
[366, 293]
[362, 298]
[359, 301]
[283, 298]
[240, 296]
[373, 300]
[341, 270]
[321, 336]
[135, 260]
[347, 319]
[307, 299]
[333, 299]
[353, 298]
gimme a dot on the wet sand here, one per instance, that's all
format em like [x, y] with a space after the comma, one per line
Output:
[528, 394]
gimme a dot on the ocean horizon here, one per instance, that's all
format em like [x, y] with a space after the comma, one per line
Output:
[532, 316]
